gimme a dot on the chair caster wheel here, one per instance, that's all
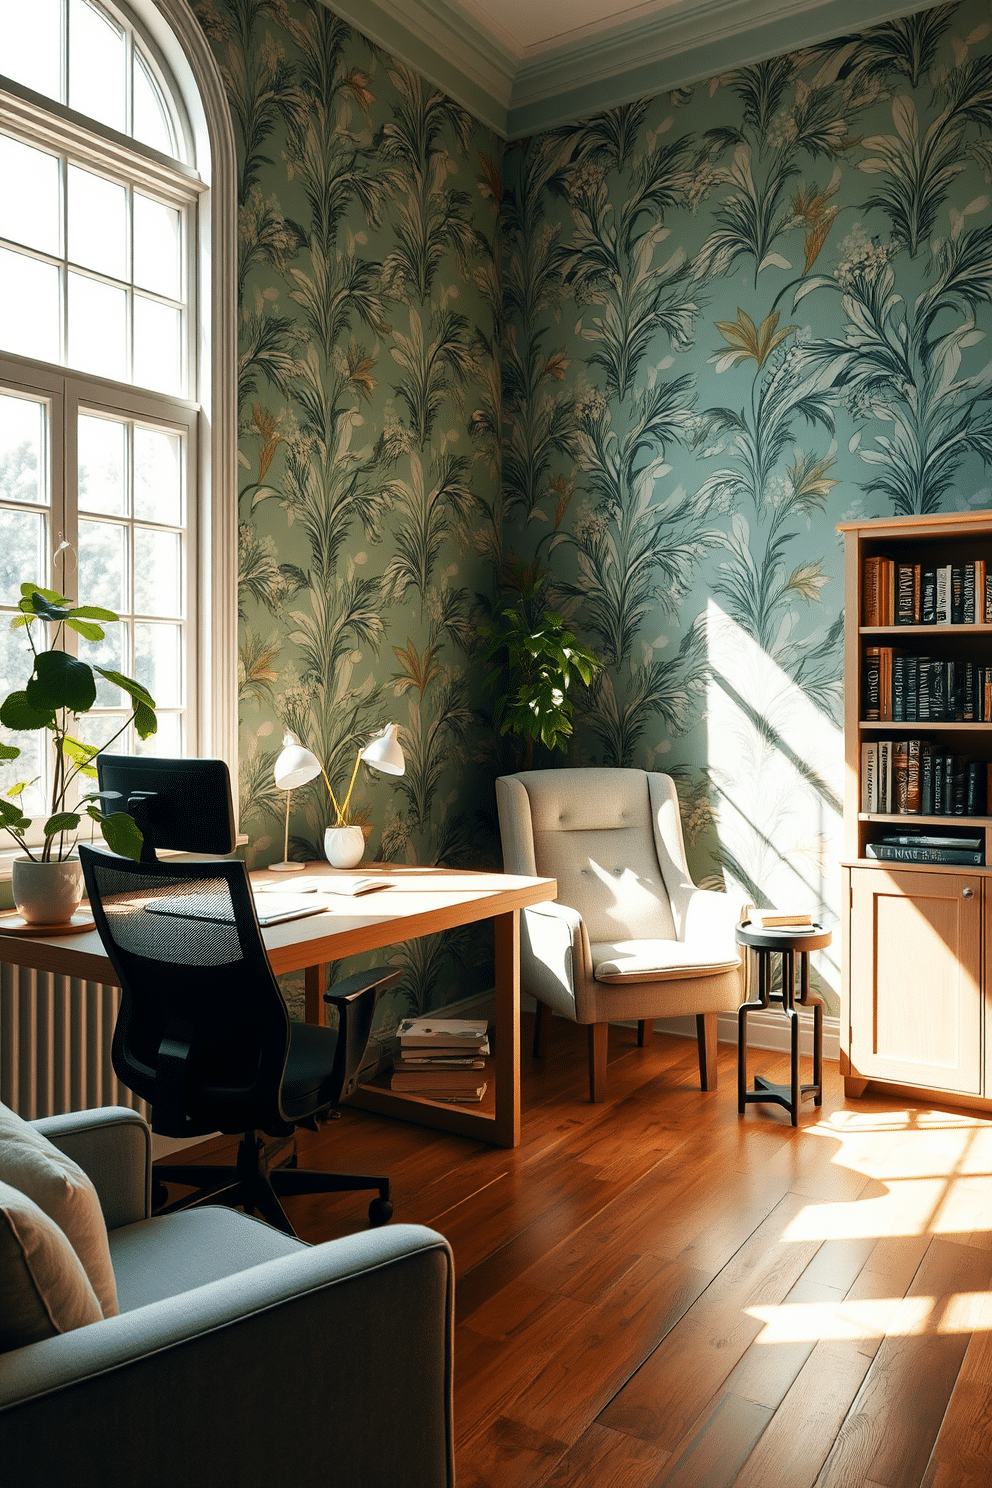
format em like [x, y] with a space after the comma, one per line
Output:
[380, 1213]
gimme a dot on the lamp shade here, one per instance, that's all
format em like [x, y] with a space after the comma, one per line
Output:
[384, 752]
[295, 765]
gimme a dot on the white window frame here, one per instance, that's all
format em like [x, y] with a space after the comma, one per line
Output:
[176, 37]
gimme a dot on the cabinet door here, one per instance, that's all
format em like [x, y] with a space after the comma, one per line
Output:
[915, 978]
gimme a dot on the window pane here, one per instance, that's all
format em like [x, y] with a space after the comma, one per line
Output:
[32, 45]
[168, 741]
[97, 327]
[109, 654]
[29, 202]
[157, 572]
[96, 65]
[22, 552]
[102, 729]
[152, 124]
[156, 346]
[101, 564]
[157, 662]
[23, 424]
[102, 454]
[97, 223]
[29, 324]
[158, 487]
[156, 246]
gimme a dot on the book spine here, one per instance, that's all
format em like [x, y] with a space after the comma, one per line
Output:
[928, 596]
[968, 692]
[943, 605]
[974, 785]
[957, 594]
[959, 776]
[898, 689]
[871, 708]
[938, 785]
[904, 593]
[869, 784]
[924, 854]
[885, 775]
[912, 673]
[887, 593]
[871, 606]
[968, 595]
[923, 703]
[885, 684]
[988, 596]
[926, 779]
[980, 582]
[913, 776]
[900, 777]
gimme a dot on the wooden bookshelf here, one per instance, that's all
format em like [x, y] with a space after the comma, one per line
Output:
[916, 1007]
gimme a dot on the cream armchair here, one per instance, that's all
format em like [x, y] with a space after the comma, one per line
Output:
[630, 936]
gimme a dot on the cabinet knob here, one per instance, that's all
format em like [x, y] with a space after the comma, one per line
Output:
[967, 893]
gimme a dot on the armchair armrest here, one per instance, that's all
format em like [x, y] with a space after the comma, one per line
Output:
[334, 1359]
[112, 1145]
[554, 954]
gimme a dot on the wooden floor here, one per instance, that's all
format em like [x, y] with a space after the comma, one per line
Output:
[657, 1291]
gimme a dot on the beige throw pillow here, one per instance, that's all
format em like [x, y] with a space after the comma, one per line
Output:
[43, 1287]
[60, 1188]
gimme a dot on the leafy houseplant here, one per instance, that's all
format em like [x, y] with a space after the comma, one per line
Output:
[60, 690]
[536, 660]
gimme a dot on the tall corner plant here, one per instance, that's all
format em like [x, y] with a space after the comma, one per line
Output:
[60, 690]
[536, 662]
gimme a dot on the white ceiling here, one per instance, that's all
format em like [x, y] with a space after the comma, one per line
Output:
[525, 65]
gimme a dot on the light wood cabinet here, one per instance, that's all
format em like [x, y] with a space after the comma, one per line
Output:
[916, 1005]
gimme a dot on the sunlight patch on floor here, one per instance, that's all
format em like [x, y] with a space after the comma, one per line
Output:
[872, 1318]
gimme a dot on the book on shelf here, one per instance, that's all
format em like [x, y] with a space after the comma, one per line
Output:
[907, 593]
[930, 839]
[778, 919]
[942, 606]
[415, 1059]
[449, 1097]
[871, 709]
[915, 777]
[928, 596]
[450, 1081]
[884, 776]
[890, 853]
[869, 773]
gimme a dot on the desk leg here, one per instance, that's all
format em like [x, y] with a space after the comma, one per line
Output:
[507, 1054]
[314, 987]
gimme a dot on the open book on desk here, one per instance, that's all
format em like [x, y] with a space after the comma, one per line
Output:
[348, 884]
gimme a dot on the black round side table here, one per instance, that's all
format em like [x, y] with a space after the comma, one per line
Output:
[790, 943]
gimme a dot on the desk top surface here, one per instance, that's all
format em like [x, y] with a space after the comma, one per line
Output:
[415, 901]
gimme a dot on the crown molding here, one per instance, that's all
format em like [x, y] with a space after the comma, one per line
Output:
[517, 93]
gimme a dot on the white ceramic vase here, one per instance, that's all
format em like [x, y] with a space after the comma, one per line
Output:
[344, 847]
[47, 893]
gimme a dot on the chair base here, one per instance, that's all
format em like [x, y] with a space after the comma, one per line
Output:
[255, 1182]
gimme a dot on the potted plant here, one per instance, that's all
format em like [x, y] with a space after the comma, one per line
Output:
[59, 691]
[537, 660]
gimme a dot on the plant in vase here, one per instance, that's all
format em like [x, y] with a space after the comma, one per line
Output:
[47, 881]
[535, 660]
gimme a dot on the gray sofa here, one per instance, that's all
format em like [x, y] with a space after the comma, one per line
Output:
[240, 1356]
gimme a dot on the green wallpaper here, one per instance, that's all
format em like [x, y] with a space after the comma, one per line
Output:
[701, 329]
[369, 427]
[737, 314]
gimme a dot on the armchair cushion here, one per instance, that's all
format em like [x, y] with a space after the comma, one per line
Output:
[44, 1290]
[63, 1192]
[658, 960]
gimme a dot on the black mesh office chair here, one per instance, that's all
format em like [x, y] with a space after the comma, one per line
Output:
[203, 1033]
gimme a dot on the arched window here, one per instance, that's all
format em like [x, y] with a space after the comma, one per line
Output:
[117, 351]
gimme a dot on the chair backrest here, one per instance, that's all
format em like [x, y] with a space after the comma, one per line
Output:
[202, 1032]
[613, 840]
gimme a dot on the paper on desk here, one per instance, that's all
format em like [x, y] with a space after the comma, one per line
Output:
[349, 884]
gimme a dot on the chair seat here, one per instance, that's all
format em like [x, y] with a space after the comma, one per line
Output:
[657, 960]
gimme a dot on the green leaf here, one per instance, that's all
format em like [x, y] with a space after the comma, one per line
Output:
[78, 752]
[17, 713]
[145, 721]
[45, 603]
[121, 834]
[13, 817]
[60, 681]
[93, 612]
[86, 628]
[8, 751]
[134, 690]
[62, 821]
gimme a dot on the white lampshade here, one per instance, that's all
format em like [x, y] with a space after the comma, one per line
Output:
[384, 752]
[295, 765]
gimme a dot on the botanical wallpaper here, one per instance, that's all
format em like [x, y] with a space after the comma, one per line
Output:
[738, 313]
[369, 422]
[640, 367]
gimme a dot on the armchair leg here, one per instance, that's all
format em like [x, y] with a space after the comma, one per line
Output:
[644, 1027]
[598, 1039]
[542, 1029]
[706, 1038]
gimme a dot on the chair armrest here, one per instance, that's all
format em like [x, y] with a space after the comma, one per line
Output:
[336, 1359]
[554, 956]
[112, 1145]
[712, 915]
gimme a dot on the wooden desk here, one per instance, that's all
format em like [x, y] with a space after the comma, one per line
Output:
[423, 902]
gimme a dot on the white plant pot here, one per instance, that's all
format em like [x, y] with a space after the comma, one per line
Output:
[47, 893]
[344, 847]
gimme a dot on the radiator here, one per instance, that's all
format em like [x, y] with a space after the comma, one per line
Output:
[55, 1038]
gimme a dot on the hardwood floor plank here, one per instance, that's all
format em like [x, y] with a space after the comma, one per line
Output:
[963, 1449]
[712, 1455]
[608, 1459]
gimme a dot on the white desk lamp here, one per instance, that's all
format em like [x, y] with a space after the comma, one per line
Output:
[294, 767]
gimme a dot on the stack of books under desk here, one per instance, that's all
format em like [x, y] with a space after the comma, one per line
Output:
[442, 1059]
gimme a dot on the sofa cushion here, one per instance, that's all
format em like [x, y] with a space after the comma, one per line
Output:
[60, 1188]
[44, 1289]
[657, 960]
